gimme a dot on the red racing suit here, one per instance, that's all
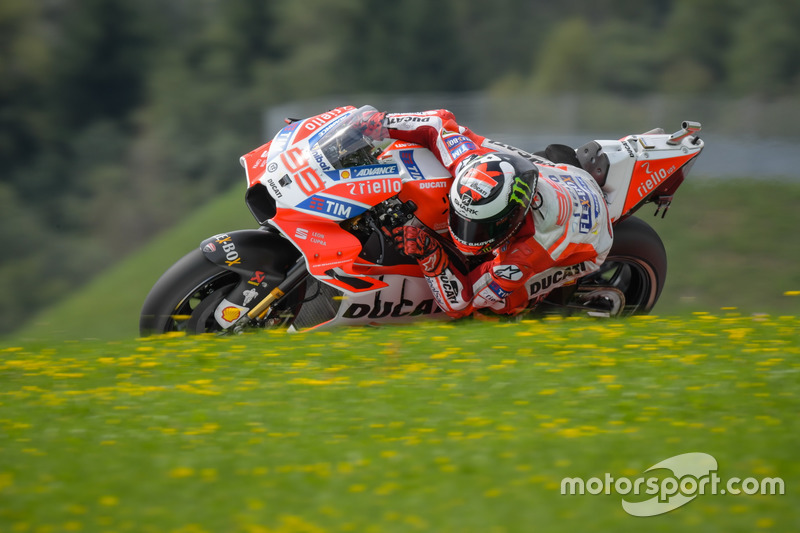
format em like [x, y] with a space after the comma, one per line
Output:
[566, 235]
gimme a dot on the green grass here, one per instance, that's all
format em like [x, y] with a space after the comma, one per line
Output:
[466, 427]
[730, 243]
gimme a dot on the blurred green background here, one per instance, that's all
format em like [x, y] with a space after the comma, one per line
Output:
[121, 118]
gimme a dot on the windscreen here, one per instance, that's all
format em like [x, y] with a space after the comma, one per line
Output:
[345, 145]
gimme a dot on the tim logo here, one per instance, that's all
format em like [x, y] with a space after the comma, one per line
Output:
[407, 157]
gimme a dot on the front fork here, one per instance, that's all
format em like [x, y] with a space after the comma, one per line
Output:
[258, 315]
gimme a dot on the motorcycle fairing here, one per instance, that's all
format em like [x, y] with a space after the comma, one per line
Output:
[650, 175]
[640, 168]
[249, 251]
[404, 299]
[426, 182]
[312, 198]
[261, 258]
[254, 163]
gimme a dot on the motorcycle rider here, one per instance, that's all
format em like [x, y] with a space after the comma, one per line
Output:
[523, 217]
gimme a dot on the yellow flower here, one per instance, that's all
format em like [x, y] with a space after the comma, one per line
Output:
[181, 472]
[109, 501]
[6, 480]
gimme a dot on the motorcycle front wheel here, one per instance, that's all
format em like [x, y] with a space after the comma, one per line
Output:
[187, 294]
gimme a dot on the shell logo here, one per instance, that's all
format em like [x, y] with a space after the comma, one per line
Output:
[230, 314]
[344, 174]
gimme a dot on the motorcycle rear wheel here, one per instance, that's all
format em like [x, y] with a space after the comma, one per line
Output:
[636, 266]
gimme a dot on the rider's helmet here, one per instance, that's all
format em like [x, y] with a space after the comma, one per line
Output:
[489, 198]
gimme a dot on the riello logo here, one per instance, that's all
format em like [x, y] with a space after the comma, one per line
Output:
[655, 176]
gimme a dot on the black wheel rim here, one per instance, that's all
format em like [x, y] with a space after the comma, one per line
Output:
[634, 278]
[195, 313]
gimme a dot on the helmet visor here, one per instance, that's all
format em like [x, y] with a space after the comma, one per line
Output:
[481, 236]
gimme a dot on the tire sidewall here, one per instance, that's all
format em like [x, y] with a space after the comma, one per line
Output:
[173, 287]
[636, 241]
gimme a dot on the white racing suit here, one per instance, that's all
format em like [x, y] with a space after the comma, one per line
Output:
[566, 235]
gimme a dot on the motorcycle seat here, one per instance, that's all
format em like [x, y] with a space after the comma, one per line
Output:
[589, 157]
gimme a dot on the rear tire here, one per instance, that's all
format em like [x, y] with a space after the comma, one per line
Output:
[636, 266]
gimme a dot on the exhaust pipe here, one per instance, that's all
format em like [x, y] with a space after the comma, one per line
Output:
[688, 128]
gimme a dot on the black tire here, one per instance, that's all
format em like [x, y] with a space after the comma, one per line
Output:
[183, 293]
[636, 265]
[185, 297]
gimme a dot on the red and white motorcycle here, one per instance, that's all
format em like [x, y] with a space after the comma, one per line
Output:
[324, 195]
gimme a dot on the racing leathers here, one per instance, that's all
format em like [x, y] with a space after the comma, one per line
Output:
[566, 233]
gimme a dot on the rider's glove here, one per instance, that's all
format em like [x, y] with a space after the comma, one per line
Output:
[422, 246]
[372, 126]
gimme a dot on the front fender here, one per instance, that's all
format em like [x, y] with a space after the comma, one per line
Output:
[251, 251]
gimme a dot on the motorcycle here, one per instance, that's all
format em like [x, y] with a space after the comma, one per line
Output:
[325, 198]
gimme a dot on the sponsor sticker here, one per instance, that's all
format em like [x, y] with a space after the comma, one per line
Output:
[231, 314]
[509, 272]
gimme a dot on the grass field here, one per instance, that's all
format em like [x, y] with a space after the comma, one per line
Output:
[466, 427]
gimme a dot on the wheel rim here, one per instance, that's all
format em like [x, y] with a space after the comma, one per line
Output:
[634, 278]
[195, 313]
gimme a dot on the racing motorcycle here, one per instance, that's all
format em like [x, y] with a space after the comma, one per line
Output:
[325, 198]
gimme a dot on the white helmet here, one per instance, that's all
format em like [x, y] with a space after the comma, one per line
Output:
[489, 199]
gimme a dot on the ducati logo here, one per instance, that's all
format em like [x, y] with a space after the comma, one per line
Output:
[478, 183]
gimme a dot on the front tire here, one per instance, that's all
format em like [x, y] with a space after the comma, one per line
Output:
[183, 298]
[187, 294]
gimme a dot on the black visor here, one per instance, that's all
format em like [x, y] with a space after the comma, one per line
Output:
[484, 234]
